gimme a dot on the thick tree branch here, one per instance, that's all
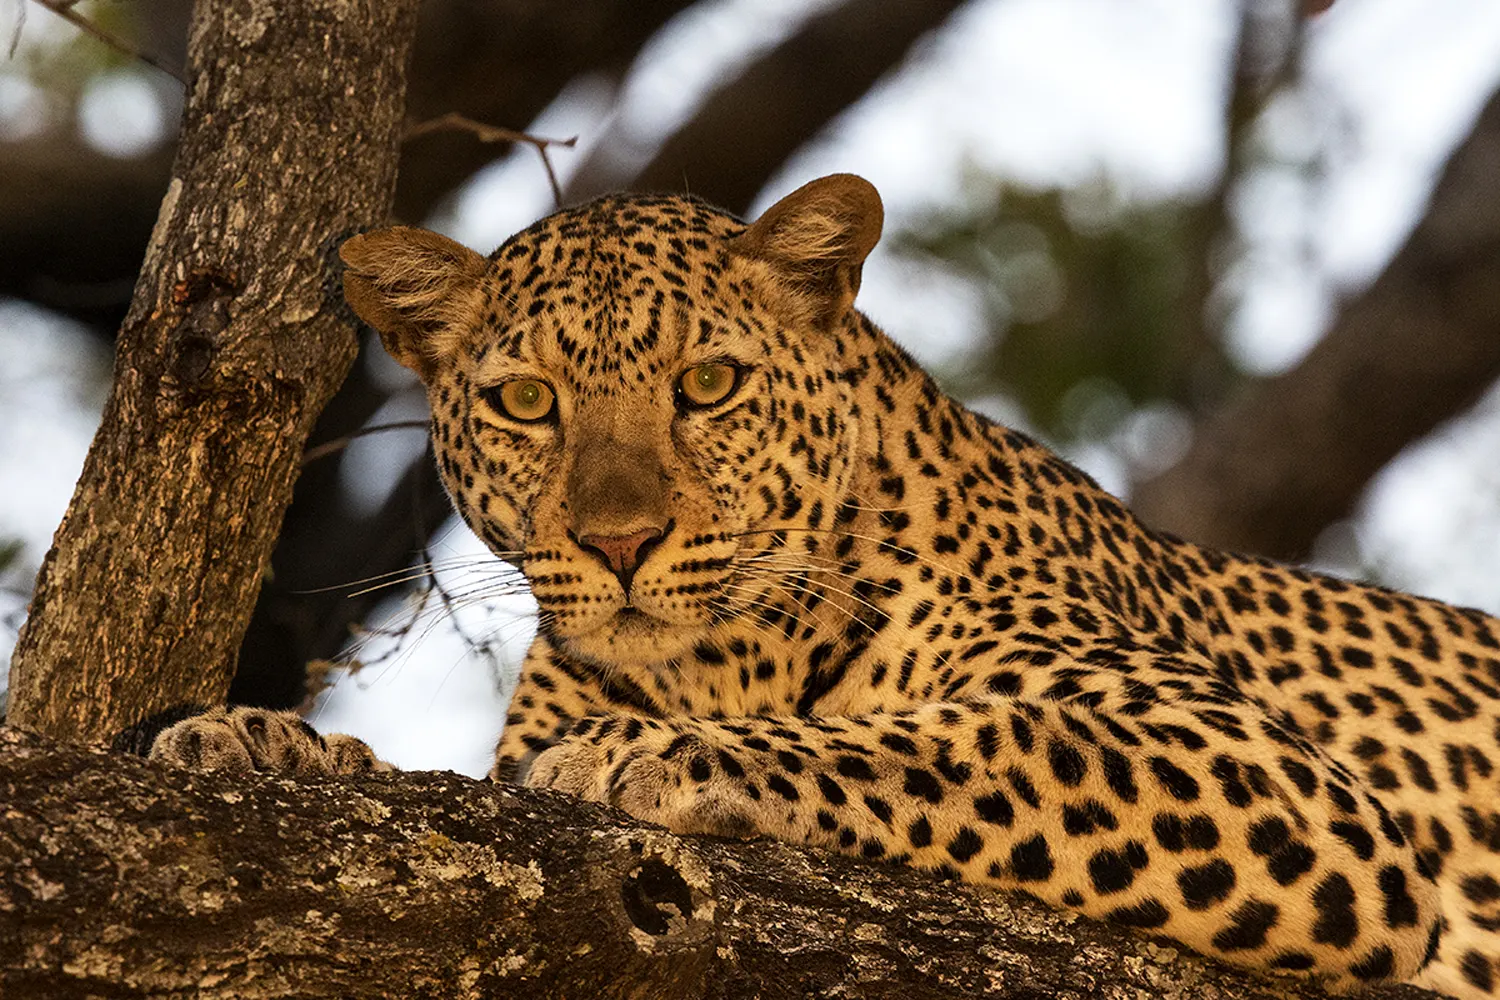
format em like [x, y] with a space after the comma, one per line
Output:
[120, 880]
[1292, 454]
[231, 348]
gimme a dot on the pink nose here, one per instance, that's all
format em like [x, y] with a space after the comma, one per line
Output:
[623, 554]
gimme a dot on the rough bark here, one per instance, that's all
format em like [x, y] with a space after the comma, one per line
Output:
[748, 128]
[1292, 454]
[233, 343]
[119, 880]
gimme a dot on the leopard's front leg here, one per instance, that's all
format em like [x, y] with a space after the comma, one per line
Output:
[1239, 843]
[551, 695]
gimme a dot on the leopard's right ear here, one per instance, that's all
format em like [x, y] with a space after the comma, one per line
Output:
[414, 287]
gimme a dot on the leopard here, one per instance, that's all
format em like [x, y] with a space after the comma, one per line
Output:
[788, 588]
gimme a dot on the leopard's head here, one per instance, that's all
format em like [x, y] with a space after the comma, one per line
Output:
[642, 402]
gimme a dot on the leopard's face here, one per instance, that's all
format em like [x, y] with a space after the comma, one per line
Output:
[637, 385]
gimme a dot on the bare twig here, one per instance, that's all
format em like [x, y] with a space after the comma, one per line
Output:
[64, 10]
[453, 122]
[339, 444]
[15, 37]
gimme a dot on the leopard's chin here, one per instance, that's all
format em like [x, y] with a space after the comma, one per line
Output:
[633, 636]
[631, 621]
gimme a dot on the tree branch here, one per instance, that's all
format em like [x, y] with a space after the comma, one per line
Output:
[338, 444]
[1291, 454]
[504, 62]
[120, 880]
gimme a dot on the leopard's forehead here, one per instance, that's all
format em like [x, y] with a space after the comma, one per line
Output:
[621, 221]
[622, 286]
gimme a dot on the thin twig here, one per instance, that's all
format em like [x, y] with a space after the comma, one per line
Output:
[454, 122]
[339, 444]
[64, 10]
[15, 38]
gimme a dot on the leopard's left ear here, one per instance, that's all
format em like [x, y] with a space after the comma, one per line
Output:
[817, 238]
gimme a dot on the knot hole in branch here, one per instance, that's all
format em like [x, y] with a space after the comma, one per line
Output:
[653, 894]
[203, 303]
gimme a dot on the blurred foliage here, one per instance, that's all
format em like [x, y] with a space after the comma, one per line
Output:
[10, 552]
[1094, 304]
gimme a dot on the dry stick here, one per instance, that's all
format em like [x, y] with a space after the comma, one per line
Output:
[64, 10]
[454, 122]
[15, 36]
[448, 604]
[339, 444]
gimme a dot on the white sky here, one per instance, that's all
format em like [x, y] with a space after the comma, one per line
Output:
[1047, 92]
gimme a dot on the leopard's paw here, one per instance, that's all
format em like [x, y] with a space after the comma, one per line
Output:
[251, 739]
[673, 779]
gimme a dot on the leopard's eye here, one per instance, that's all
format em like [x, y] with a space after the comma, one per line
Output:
[525, 399]
[707, 385]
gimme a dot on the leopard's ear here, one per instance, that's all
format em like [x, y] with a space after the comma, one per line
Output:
[817, 238]
[414, 287]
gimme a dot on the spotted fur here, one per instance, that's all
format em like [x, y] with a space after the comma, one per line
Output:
[860, 616]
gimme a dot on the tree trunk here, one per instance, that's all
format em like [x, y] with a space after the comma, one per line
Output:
[1292, 454]
[128, 881]
[234, 341]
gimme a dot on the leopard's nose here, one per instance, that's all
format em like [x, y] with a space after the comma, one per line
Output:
[623, 554]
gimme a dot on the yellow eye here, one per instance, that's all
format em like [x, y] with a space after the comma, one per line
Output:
[707, 384]
[523, 399]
